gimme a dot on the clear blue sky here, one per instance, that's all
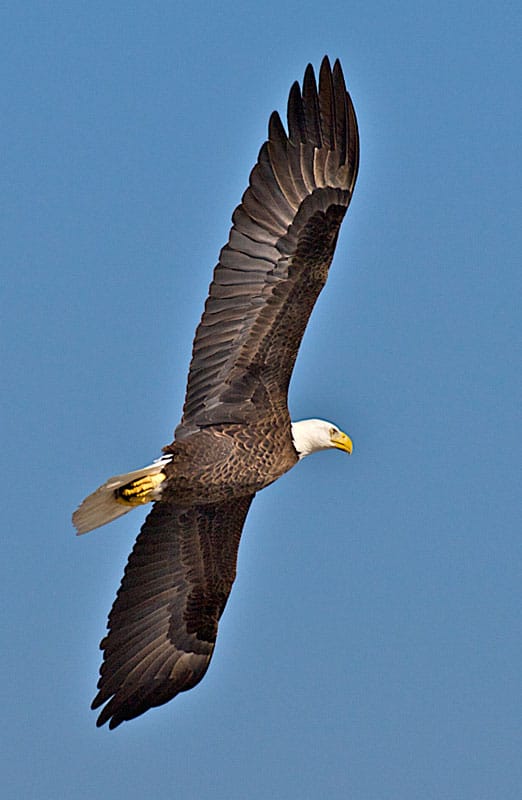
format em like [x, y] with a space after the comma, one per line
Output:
[371, 648]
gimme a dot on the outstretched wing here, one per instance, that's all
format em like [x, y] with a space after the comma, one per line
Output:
[163, 624]
[276, 261]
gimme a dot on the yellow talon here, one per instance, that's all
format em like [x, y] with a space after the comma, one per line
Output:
[140, 491]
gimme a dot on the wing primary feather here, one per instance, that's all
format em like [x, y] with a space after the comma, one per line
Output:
[326, 104]
[269, 160]
[306, 160]
[311, 108]
[294, 170]
[352, 156]
[295, 115]
[267, 191]
[279, 165]
[276, 130]
[341, 111]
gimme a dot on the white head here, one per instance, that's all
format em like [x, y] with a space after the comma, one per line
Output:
[310, 435]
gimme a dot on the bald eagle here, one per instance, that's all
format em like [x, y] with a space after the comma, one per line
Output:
[235, 436]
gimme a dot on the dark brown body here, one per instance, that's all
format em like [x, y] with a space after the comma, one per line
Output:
[220, 463]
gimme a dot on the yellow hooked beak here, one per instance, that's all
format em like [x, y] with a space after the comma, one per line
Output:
[341, 441]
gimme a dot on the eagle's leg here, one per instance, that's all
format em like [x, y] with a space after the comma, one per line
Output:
[140, 491]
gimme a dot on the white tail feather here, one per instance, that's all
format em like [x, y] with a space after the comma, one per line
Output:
[101, 506]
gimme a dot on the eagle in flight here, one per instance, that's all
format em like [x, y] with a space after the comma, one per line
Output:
[235, 436]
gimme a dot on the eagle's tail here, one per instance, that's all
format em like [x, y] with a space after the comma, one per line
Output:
[120, 494]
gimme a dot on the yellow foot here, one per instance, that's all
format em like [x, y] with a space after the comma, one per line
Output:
[140, 491]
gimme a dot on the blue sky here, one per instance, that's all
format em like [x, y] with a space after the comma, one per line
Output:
[371, 648]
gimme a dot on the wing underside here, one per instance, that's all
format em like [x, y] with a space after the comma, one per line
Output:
[276, 261]
[163, 624]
